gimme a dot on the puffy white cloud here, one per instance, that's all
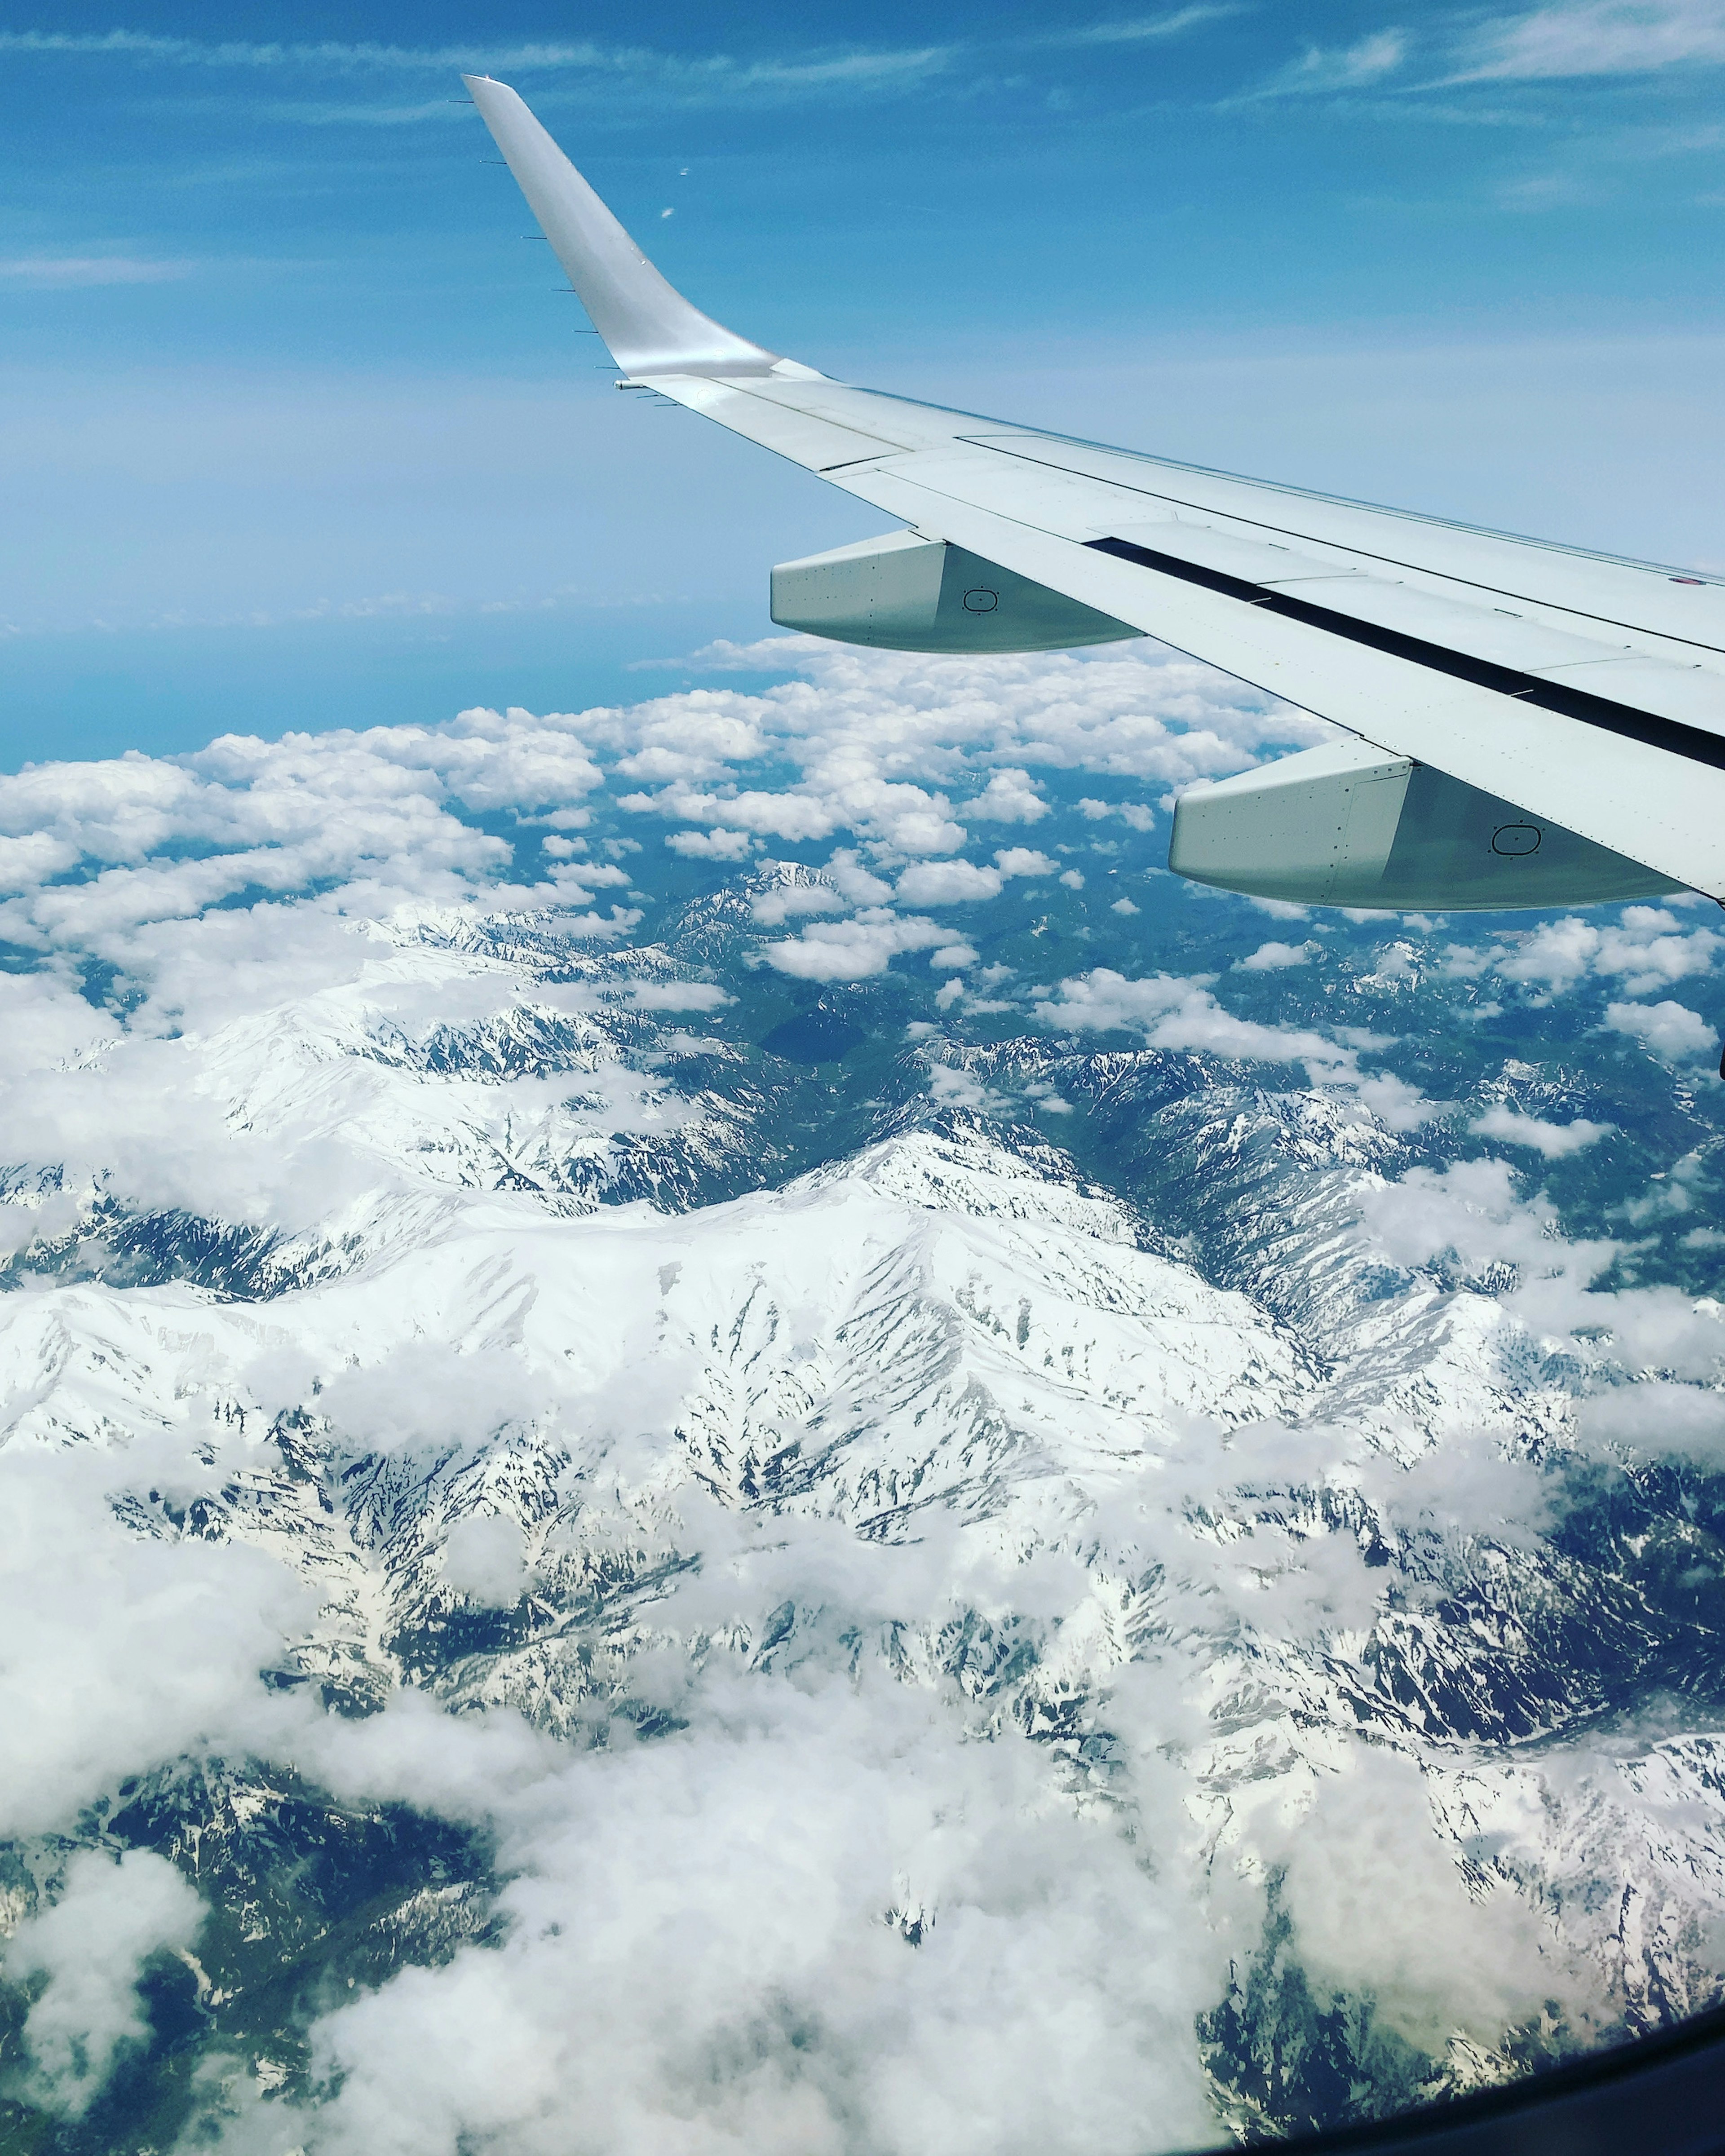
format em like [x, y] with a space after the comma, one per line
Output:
[1468, 1216]
[1272, 958]
[1123, 905]
[947, 883]
[1656, 1417]
[1073, 879]
[1396, 1104]
[852, 950]
[885, 744]
[788, 816]
[950, 957]
[140, 1651]
[1485, 1959]
[486, 1556]
[1554, 1140]
[1172, 1013]
[717, 844]
[787, 901]
[854, 882]
[1668, 1029]
[878, 744]
[1645, 950]
[1010, 796]
[750, 1984]
[111, 1917]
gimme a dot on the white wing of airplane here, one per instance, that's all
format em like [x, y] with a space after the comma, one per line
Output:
[1535, 724]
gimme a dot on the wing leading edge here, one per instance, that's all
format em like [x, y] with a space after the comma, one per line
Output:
[1573, 692]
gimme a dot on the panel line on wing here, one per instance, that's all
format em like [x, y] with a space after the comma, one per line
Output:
[1694, 743]
[1007, 445]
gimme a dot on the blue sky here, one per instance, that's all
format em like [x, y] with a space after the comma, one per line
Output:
[297, 430]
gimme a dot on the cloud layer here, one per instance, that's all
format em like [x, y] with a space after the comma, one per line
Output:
[921, 1452]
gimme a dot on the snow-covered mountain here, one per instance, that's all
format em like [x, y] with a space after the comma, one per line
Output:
[674, 1523]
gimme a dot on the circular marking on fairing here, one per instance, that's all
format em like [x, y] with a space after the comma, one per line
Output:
[1516, 839]
[982, 600]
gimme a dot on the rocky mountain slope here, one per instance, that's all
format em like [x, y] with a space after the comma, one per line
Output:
[535, 1416]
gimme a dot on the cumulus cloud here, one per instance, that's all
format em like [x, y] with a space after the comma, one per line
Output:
[1010, 796]
[947, 883]
[139, 1650]
[92, 1946]
[1657, 1417]
[852, 950]
[961, 882]
[1398, 1105]
[1172, 1013]
[1554, 1140]
[485, 1556]
[891, 745]
[789, 1850]
[717, 844]
[1022, 861]
[1646, 951]
[1485, 1961]
[1272, 958]
[854, 882]
[752, 1984]
[1668, 1029]
[1469, 1218]
[786, 901]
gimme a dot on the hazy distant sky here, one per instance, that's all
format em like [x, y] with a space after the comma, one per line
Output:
[296, 430]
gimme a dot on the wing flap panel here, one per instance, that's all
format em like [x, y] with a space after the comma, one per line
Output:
[908, 593]
[1345, 826]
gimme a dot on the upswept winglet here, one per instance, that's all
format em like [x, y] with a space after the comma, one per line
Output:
[649, 327]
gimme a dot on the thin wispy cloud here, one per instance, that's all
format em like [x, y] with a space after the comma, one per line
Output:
[244, 52]
[1364, 64]
[1605, 37]
[688, 79]
[49, 272]
[1599, 37]
[1146, 28]
[714, 73]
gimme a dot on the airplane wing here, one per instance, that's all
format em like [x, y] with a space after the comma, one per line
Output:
[1536, 724]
